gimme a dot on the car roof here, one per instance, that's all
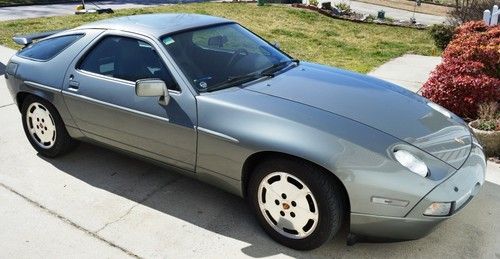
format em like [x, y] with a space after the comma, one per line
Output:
[156, 25]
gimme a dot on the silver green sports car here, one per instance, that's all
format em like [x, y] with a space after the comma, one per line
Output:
[310, 147]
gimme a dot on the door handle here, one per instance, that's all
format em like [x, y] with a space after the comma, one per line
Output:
[73, 85]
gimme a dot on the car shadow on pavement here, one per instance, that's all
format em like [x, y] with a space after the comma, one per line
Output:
[173, 194]
[2, 69]
[225, 214]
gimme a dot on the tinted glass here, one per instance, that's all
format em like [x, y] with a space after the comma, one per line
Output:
[128, 59]
[47, 49]
[228, 38]
[211, 56]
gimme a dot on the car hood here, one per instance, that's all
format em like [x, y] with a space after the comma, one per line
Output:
[376, 103]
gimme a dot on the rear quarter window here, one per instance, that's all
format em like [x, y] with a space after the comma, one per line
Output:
[47, 49]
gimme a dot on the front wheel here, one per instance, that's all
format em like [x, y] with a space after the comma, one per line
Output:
[44, 127]
[296, 203]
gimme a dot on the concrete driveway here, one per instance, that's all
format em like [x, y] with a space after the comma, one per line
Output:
[97, 203]
[409, 71]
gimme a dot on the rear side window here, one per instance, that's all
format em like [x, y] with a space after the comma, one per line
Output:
[47, 49]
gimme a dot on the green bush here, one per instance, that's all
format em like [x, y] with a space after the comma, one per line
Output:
[344, 8]
[442, 34]
[314, 2]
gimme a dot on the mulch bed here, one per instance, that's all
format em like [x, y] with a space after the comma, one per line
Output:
[356, 17]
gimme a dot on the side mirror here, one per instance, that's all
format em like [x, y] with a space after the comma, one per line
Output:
[276, 44]
[151, 88]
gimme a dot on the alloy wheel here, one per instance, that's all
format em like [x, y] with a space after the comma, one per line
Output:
[41, 125]
[288, 205]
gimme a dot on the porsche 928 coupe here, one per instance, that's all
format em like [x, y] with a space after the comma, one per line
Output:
[310, 147]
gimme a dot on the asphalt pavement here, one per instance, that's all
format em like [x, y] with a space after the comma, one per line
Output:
[33, 11]
[398, 14]
[96, 203]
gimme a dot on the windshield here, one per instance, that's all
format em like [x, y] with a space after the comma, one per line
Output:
[223, 56]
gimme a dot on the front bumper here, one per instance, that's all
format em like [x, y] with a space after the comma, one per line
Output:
[459, 189]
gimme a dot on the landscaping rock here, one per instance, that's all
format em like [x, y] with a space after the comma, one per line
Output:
[336, 11]
[326, 5]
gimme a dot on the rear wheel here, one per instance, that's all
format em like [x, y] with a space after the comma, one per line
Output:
[296, 203]
[44, 127]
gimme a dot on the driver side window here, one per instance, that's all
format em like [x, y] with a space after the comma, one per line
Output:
[128, 59]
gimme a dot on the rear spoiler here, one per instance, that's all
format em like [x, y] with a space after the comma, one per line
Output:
[27, 39]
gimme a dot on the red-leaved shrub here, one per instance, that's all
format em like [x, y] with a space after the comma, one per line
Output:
[470, 72]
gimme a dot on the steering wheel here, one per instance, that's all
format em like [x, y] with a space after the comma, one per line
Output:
[235, 56]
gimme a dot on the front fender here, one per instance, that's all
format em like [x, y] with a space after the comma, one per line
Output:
[236, 123]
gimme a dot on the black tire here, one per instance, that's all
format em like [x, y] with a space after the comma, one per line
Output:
[62, 143]
[326, 191]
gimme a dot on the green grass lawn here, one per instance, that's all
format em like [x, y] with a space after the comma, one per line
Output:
[303, 34]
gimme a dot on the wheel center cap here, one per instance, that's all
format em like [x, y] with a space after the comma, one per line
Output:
[286, 206]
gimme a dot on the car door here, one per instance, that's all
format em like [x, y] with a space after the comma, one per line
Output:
[99, 90]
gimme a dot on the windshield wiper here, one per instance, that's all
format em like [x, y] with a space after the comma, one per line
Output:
[270, 71]
[237, 80]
